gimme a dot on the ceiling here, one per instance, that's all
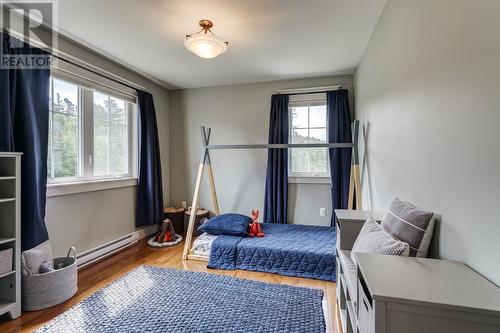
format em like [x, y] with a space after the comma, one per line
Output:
[268, 39]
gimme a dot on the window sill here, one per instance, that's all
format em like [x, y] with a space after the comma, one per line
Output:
[58, 189]
[309, 180]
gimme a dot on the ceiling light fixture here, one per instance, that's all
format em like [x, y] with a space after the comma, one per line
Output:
[204, 43]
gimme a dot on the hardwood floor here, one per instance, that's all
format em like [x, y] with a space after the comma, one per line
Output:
[101, 274]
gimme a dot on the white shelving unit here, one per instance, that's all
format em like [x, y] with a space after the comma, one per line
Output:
[10, 231]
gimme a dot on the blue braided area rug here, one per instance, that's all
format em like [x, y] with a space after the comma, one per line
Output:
[153, 299]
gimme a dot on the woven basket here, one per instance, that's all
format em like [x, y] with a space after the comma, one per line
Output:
[42, 291]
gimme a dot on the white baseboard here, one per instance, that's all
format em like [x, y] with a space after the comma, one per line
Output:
[105, 250]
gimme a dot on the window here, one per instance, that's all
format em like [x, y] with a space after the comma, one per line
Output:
[308, 124]
[64, 130]
[90, 132]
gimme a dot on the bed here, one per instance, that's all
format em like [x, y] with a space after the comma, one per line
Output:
[287, 249]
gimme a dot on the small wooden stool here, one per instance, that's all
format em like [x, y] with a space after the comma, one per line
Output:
[200, 214]
[176, 215]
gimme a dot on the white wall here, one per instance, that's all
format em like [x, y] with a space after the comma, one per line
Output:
[85, 220]
[237, 114]
[428, 94]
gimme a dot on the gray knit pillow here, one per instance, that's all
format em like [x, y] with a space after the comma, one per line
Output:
[32, 260]
[374, 239]
[410, 224]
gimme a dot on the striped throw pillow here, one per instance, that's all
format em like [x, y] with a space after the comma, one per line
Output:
[411, 225]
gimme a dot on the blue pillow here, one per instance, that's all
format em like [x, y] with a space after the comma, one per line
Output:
[227, 224]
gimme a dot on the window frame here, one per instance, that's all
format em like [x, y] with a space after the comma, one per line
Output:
[303, 100]
[85, 180]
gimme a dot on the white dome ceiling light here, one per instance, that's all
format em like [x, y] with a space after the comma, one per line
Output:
[204, 43]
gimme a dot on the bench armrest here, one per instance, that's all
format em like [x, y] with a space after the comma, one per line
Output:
[347, 232]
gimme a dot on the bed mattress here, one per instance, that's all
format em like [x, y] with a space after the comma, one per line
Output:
[202, 244]
[287, 249]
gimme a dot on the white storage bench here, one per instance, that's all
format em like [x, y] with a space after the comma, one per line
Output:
[391, 294]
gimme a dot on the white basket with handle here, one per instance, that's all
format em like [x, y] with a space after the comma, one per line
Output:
[41, 291]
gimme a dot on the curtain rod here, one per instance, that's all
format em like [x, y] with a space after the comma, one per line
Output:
[61, 55]
[309, 90]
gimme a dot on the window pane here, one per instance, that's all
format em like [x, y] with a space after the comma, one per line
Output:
[65, 97]
[317, 116]
[64, 158]
[309, 160]
[299, 136]
[110, 136]
[118, 144]
[299, 117]
[317, 160]
[63, 144]
[101, 135]
[300, 160]
[317, 135]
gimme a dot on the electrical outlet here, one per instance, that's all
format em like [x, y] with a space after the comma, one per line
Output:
[184, 204]
[322, 211]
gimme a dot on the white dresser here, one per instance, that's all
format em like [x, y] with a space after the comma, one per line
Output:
[389, 294]
[401, 294]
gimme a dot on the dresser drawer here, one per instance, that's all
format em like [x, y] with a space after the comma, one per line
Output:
[366, 318]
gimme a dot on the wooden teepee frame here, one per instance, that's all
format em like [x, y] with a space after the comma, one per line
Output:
[205, 163]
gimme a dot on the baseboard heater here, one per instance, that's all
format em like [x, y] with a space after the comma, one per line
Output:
[105, 250]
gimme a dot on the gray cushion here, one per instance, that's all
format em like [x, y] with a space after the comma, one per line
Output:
[350, 274]
[32, 260]
[410, 224]
[374, 239]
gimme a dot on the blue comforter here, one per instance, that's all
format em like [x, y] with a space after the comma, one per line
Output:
[287, 249]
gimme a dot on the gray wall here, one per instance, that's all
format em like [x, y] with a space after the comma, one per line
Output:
[428, 95]
[237, 114]
[85, 220]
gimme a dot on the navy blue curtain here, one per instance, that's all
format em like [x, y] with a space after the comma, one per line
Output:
[149, 187]
[276, 197]
[339, 131]
[24, 126]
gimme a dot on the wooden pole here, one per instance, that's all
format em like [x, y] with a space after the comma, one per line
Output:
[341, 145]
[194, 208]
[205, 137]
[357, 187]
[355, 180]
[211, 180]
[350, 204]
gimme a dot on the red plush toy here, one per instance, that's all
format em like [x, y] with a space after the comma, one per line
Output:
[255, 229]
